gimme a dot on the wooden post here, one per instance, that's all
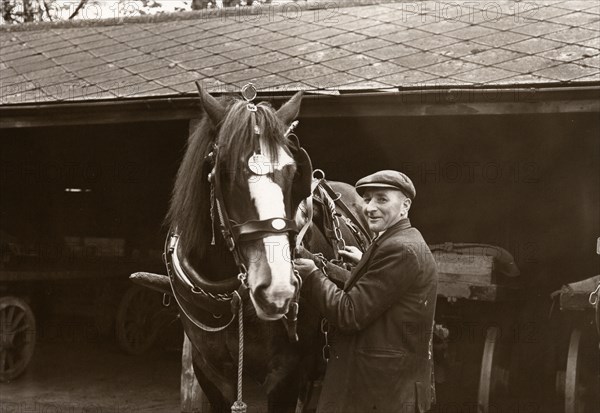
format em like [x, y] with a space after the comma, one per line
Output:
[193, 399]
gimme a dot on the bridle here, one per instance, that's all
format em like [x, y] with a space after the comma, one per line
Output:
[233, 234]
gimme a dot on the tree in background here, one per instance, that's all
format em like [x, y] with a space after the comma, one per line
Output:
[203, 4]
[26, 11]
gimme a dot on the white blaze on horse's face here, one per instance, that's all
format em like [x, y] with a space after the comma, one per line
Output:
[279, 290]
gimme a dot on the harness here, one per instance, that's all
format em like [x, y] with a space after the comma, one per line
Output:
[203, 302]
[323, 194]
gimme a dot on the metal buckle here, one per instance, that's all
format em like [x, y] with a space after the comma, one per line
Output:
[243, 275]
[594, 300]
[326, 348]
[318, 172]
[229, 241]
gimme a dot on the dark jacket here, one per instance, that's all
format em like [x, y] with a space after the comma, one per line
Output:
[381, 357]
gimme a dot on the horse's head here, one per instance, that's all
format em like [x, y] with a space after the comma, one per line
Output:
[253, 179]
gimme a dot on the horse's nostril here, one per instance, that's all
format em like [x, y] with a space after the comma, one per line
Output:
[268, 305]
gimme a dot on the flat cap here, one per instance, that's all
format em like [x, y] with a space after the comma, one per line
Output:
[387, 179]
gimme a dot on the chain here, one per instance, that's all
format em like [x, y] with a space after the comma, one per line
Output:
[321, 262]
[337, 230]
[325, 331]
[218, 296]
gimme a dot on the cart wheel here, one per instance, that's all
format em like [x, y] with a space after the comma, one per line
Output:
[138, 319]
[494, 376]
[17, 337]
[581, 376]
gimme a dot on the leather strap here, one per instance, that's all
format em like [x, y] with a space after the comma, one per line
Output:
[308, 223]
[258, 229]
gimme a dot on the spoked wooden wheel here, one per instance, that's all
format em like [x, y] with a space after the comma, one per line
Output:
[494, 375]
[17, 337]
[582, 383]
[139, 319]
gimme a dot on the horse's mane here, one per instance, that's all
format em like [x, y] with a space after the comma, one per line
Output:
[189, 209]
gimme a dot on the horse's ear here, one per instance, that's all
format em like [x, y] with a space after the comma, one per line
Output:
[216, 112]
[290, 109]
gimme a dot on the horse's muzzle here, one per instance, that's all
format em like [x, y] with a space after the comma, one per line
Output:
[267, 308]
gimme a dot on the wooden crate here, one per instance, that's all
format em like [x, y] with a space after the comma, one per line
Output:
[464, 268]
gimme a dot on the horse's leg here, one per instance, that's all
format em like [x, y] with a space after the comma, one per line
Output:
[215, 386]
[282, 383]
[284, 395]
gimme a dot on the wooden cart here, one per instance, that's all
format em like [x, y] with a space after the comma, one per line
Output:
[578, 374]
[475, 326]
[95, 287]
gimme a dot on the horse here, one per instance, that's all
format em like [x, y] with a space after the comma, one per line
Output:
[240, 194]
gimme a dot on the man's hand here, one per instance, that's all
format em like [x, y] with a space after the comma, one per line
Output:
[302, 252]
[351, 253]
[304, 267]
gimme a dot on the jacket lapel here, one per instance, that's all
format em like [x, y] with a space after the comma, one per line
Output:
[357, 272]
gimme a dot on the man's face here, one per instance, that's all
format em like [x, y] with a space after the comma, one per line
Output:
[384, 207]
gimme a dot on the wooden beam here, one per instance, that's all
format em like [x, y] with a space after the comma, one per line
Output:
[413, 102]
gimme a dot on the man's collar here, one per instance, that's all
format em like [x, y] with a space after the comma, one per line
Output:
[403, 224]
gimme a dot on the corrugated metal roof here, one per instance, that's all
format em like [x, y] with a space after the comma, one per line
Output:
[373, 47]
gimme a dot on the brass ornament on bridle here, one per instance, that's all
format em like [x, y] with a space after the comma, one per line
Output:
[258, 163]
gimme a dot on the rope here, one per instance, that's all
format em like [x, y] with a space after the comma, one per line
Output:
[239, 406]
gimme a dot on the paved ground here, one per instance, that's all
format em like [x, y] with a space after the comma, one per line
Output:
[79, 373]
[73, 370]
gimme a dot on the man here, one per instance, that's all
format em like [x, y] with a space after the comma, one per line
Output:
[380, 359]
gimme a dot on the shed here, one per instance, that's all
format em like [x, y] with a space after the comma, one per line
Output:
[491, 108]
